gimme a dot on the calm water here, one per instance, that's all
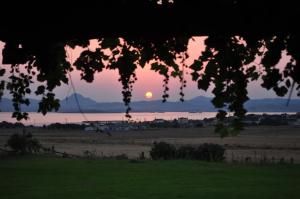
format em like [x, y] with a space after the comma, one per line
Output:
[39, 119]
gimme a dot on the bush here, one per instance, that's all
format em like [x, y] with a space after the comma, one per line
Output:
[210, 152]
[205, 152]
[185, 152]
[89, 154]
[5, 124]
[23, 143]
[162, 150]
[122, 156]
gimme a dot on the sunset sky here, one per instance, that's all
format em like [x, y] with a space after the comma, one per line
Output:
[107, 88]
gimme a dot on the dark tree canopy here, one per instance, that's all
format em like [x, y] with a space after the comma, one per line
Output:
[132, 33]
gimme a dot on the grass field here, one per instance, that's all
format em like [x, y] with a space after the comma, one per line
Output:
[257, 142]
[57, 178]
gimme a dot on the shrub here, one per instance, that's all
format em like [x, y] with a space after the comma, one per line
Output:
[162, 150]
[89, 154]
[23, 143]
[142, 156]
[5, 124]
[205, 152]
[122, 156]
[185, 152]
[210, 152]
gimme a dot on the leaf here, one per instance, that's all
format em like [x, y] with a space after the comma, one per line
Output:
[273, 55]
[221, 129]
[27, 90]
[174, 73]
[110, 43]
[2, 72]
[40, 90]
[203, 83]
[221, 115]
[288, 83]
[218, 101]
[280, 91]
[48, 103]
[251, 72]
[162, 69]
[195, 76]
[27, 102]
[197, 65]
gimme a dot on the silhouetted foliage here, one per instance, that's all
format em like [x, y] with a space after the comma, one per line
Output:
[5, 124]
[23, 143]
[204, 152]
[228, 63]
[162, 150]
[65, 126]
[185, 152]
[210, 152]
[273, 121]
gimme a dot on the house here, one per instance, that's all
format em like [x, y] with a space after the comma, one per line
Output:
[158, 121]
[89, 128]
[183, 120]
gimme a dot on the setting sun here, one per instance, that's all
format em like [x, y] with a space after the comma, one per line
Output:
[148, 95]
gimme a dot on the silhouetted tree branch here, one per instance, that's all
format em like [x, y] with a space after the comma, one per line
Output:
[236, 37]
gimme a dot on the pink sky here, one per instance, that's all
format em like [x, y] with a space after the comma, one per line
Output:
[148, 80]
[106, 86]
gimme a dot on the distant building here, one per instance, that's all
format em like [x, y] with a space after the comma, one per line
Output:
[252, 119]
[297, 123]
[183, 120]
[158, 121]
[89, 128]
[209, 121]
[102, 126]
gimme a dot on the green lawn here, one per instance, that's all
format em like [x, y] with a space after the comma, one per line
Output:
[56, 178]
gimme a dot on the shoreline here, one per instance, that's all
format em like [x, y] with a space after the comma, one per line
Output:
[77, 118]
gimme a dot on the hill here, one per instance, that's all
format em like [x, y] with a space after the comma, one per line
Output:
[197, 104]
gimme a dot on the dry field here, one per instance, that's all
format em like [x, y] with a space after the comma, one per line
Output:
[258, 143]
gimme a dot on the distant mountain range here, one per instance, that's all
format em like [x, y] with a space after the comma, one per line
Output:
[198, 104]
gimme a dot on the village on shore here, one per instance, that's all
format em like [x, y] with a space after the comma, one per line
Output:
[181, 122]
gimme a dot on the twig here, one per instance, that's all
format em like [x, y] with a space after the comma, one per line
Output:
[290, 95]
